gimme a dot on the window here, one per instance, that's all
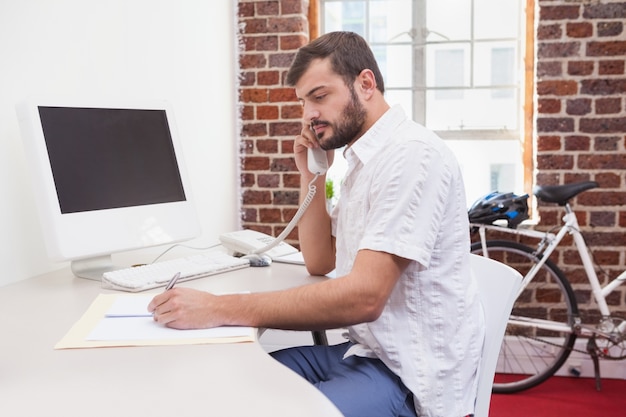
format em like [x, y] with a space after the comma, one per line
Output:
[457, 67]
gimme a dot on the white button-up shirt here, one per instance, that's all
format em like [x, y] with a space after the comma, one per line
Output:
[403, 194]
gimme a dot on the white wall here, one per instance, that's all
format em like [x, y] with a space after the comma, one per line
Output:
[182, 51]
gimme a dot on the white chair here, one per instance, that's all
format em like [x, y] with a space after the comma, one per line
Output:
[498, 285]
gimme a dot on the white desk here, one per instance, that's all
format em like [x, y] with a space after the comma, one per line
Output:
[193, 380]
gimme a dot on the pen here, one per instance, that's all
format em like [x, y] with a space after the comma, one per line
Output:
[172, 282]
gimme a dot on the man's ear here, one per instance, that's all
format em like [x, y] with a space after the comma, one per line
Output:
[366, 83]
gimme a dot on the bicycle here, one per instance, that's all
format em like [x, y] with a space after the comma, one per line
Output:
[546, 320]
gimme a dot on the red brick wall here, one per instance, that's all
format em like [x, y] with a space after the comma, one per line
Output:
[271, 33]
[580, 126]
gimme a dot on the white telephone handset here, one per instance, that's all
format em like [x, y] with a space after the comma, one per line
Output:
[317, 161]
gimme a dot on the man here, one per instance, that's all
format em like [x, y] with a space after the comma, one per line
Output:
[398, 241]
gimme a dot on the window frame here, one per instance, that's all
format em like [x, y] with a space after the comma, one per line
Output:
[526, 40]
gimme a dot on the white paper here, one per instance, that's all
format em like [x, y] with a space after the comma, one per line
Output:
[145, 328]
[130, 306]
[294, 258]
[128, 318]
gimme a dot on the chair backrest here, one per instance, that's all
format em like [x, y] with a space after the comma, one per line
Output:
[498, 285]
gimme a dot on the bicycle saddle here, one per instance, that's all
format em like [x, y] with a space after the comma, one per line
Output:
[561, 194]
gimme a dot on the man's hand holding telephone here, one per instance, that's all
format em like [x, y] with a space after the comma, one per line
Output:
[317, 158]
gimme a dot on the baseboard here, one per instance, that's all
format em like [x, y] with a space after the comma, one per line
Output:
[581, 364]
[578, 364]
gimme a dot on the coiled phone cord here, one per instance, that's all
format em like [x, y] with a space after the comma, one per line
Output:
[294, 221]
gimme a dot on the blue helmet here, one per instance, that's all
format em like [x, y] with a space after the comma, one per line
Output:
[496, 205]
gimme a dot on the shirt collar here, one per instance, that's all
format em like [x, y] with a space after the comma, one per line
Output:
[376, 137]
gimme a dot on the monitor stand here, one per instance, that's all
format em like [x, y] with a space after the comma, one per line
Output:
[93, 268]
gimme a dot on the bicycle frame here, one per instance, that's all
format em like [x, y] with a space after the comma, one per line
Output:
[546, 246]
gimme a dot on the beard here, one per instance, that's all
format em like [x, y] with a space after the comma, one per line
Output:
[348, 127]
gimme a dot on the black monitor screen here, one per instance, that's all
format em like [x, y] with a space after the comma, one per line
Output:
[110, 158]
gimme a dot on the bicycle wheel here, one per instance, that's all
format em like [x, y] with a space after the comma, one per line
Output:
[531, 353]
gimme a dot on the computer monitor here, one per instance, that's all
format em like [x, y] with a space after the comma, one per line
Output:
[108, 177]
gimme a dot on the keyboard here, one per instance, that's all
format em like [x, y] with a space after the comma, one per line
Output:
[158, 274]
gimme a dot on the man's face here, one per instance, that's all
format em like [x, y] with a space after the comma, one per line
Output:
[333, 109]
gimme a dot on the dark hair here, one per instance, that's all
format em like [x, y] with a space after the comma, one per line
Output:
[349, 55]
